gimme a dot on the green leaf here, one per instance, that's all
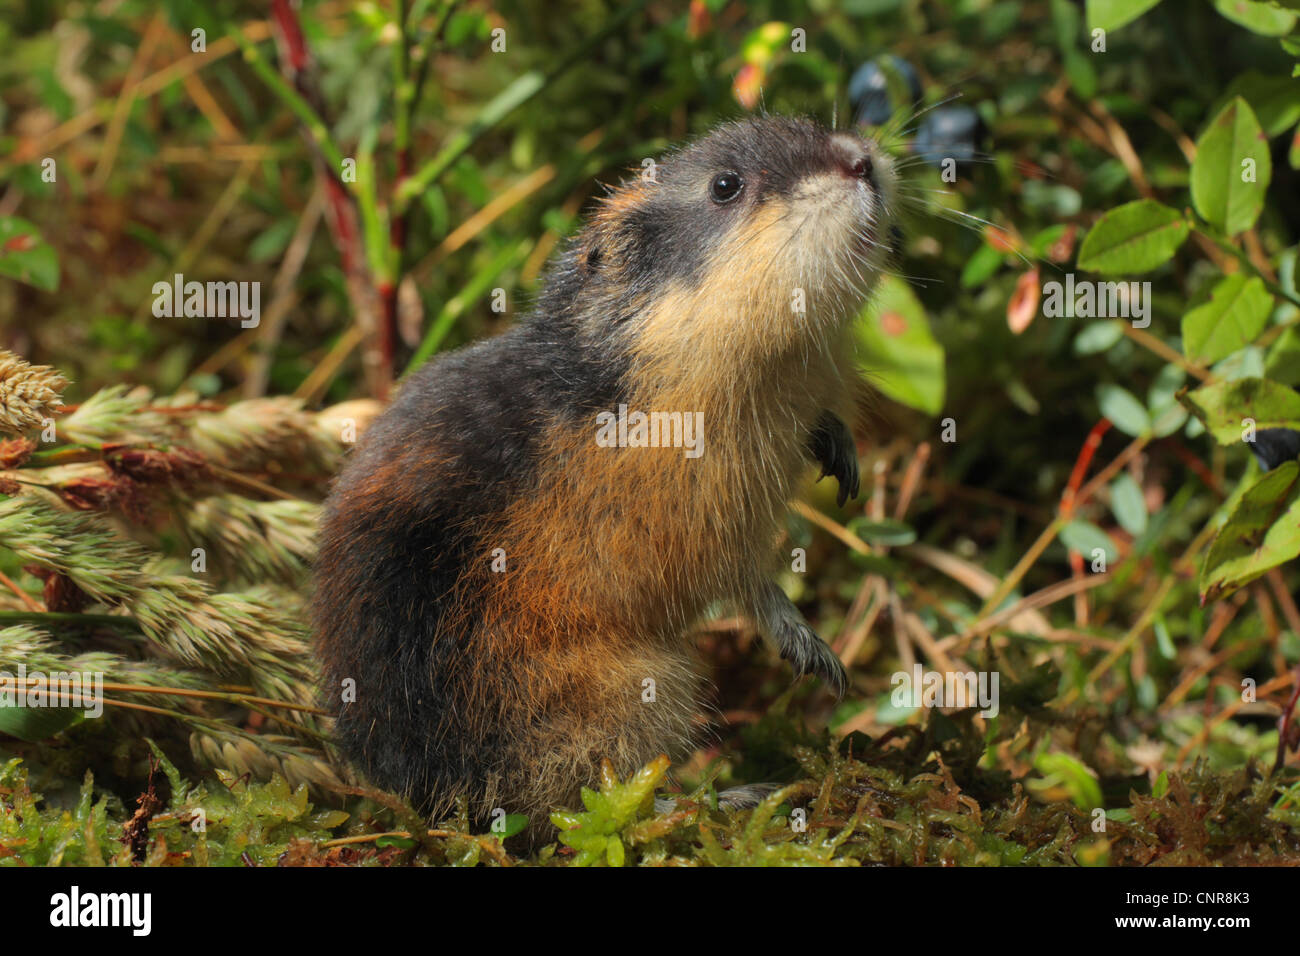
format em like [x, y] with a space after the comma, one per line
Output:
[891, 714]
[272, 242]
[1262, 18]
[900, 355]
[980, 266]
[515, 823]
[1087, 539]
[614, 852]
[1123, 409]
[1232, 140]
[1283, 362]
[1128, 504]
[1062, 770]
[1163, 641]
[1113, 14]
[37, 723]
[1075, 62]
[1275, 100]
[1132, 238]
[1261, 532]
[1042, 241]
[1161, 786]
[466, 24]
[25, 256]
[1227, 408]
[1167, 414]
[1236, 313]
[1243, 363]
[893, 533]
[1097, 337]
[1080, 72]
[1167, 420]
[766, 43]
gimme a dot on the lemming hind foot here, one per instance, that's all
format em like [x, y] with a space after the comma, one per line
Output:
[831, 445]
[781, 622]
[733, 798]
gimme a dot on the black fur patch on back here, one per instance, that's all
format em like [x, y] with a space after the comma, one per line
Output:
[405, 518]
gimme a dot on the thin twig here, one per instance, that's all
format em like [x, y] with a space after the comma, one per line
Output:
[30, 602]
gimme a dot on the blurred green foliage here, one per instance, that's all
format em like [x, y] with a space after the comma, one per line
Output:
[1163, 148]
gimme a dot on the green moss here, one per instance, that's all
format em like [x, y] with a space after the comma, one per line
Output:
[843, 811]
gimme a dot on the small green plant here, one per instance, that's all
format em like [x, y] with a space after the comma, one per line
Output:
[598, 834]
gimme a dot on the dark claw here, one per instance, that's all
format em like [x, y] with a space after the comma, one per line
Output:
[780, 621]
[809, 654]
[831, 445]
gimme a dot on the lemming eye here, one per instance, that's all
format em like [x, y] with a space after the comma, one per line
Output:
[726, 187]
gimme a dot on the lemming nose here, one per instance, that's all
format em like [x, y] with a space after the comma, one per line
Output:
[854, 158]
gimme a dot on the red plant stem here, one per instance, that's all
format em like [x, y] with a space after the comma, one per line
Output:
[387, 334]
[342, 216]
[1086, 453]
[1284, 722]
[388, 288]
[341, 224]
[294, 44]
[1197, 466]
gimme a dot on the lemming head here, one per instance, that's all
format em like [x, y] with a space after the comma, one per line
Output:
[756, 215]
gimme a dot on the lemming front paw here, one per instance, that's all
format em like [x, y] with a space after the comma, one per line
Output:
[831, 446]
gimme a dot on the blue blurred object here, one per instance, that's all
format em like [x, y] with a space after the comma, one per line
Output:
[869, 89]
[949, 132]
[1273, 446]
